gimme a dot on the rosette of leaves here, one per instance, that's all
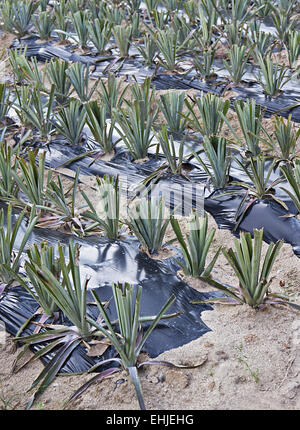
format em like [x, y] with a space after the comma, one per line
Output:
[22, 100]
[172, 5]
[151, 6]
[133, 5]
[207, 16]
[99, 33]
[282, 20]
[10, 232]
[5, 102]
[236, 11]
[252, 271]
[272, 77]
[260, 186]
[174, 158]
[61, 23]
[69, 294]
[204, 63]
[107, 213]
[195, 247]
[17, 15]
[79, 75]
[148, 50]
[284, 139]
[171, 105]
[293, 49]
[44, 25]
[8, 167]
[184, 30]
[70, 120]
[236, 65]
[250, 116]
[101, 129]
[62, 209]
[26, 71]
[216, 149]
[168, 47]
[134, 126]
[147, 221]
[79, 20]
[32, 179]
[292, 176]
[39, 255]
[39, 113]
[111, 93]
[212, 111]
[261, 41]
[127, 336]
[122, 35]
[56, 71]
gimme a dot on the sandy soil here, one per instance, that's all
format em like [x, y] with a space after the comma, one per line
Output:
[249, 360]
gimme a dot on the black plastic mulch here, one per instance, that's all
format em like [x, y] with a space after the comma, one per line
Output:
[104, 262]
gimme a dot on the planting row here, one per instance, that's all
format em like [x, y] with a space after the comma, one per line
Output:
[53, 277]
[50, 112]
[174, 41]
[130, 115]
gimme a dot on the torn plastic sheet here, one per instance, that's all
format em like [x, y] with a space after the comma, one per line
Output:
[266, 214]
[104, 262]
